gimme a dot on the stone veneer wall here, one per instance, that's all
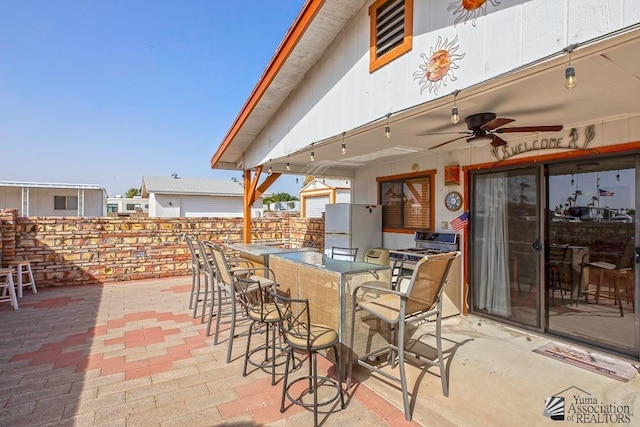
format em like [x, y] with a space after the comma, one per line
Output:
[78, 251]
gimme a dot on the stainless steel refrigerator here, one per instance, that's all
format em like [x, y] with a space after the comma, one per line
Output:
[350, 225]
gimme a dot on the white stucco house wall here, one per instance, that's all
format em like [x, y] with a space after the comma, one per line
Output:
[171, 197]
[53, 199]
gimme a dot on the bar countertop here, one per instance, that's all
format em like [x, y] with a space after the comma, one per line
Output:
[321, 261]
[260, 249]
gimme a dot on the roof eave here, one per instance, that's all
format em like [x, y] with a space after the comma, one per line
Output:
[291, 39]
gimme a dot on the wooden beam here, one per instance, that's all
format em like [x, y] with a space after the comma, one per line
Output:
[265, 186]
[246, 208]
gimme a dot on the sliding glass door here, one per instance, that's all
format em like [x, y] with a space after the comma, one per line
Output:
[505, 245]
[554, 248]
[592, 229]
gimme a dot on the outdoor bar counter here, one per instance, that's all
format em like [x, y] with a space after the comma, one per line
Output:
[259, 252]
[328, 285]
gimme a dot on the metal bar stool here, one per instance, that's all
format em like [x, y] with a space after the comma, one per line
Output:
[23, 268]
[302, 335]
[8, 293]
[262, 311]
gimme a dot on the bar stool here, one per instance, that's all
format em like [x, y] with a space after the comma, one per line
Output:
[23, 267]
[302, 335]
[262, 311]
[8, 293]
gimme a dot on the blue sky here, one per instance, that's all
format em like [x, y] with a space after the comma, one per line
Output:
[104, 92]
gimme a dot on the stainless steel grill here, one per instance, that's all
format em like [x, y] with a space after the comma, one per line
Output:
[427, 243]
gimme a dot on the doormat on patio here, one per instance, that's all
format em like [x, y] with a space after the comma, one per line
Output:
[593, 362]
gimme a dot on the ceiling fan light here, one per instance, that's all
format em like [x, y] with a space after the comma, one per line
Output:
[455, 117]
[480, 141]
[570, 80]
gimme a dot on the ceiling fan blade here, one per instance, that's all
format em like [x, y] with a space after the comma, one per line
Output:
[496, 123]
[497, 141]
[442, 133]
[446, 142]
[531, 129]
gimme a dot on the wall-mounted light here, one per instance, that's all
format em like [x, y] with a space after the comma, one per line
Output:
[570, 80]
[455, 117]
[344, 146]
[387, 128]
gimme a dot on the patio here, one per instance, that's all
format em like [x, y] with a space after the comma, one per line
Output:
[130, 354]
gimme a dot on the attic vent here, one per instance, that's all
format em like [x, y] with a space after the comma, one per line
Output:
[391, 30]
[389, 26]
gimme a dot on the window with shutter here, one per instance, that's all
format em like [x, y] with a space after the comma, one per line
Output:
[391, 31]
[407, 202]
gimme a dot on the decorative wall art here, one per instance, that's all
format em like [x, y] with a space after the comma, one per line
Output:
[464, 10]
[437, 68]
[452, 175]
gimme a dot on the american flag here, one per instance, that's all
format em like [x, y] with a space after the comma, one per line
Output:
[460, 222]
[604, 193]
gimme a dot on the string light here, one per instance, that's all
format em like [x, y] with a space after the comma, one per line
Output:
[572, 182]
[270, 170]
[344, 146]
[570, 80]
[312, 157]
[288, 166]
[387, 128]
[455, 117]
[618, 176]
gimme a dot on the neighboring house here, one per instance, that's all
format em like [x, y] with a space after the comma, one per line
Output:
[450, 113]
[171, 197]
[53, 199]
[320, 191]
[127, 206]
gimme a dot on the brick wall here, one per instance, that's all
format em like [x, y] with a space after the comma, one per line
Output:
[73, 251]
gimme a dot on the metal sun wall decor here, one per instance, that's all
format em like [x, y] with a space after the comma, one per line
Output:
[465, 10]
[438, 66]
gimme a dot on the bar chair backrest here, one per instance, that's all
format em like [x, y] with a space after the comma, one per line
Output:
[423, 290]
[348, 254]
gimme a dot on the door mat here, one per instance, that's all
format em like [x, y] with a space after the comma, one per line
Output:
[593, 362]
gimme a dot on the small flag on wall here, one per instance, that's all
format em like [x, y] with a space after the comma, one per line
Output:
[460, 222]
[604, 193]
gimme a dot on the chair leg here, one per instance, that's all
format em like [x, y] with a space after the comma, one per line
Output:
[246, 354]
[351, 338]
[232, 330]
[315, 387]
[403, 375]
[443, 376]
[286, 379]
[33, 282]
[193, 288]
[339, 372]
[196, 295]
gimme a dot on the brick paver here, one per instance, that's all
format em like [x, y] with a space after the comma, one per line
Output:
[131, 354]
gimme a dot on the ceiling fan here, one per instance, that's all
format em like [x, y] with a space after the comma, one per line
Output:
[487, 125]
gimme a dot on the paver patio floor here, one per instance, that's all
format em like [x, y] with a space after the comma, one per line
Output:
[130, 354]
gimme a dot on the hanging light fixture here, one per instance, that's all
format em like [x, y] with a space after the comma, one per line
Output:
[570, 80]
[455, 117]
[344, 146]
[387, 128]
[288, 166]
